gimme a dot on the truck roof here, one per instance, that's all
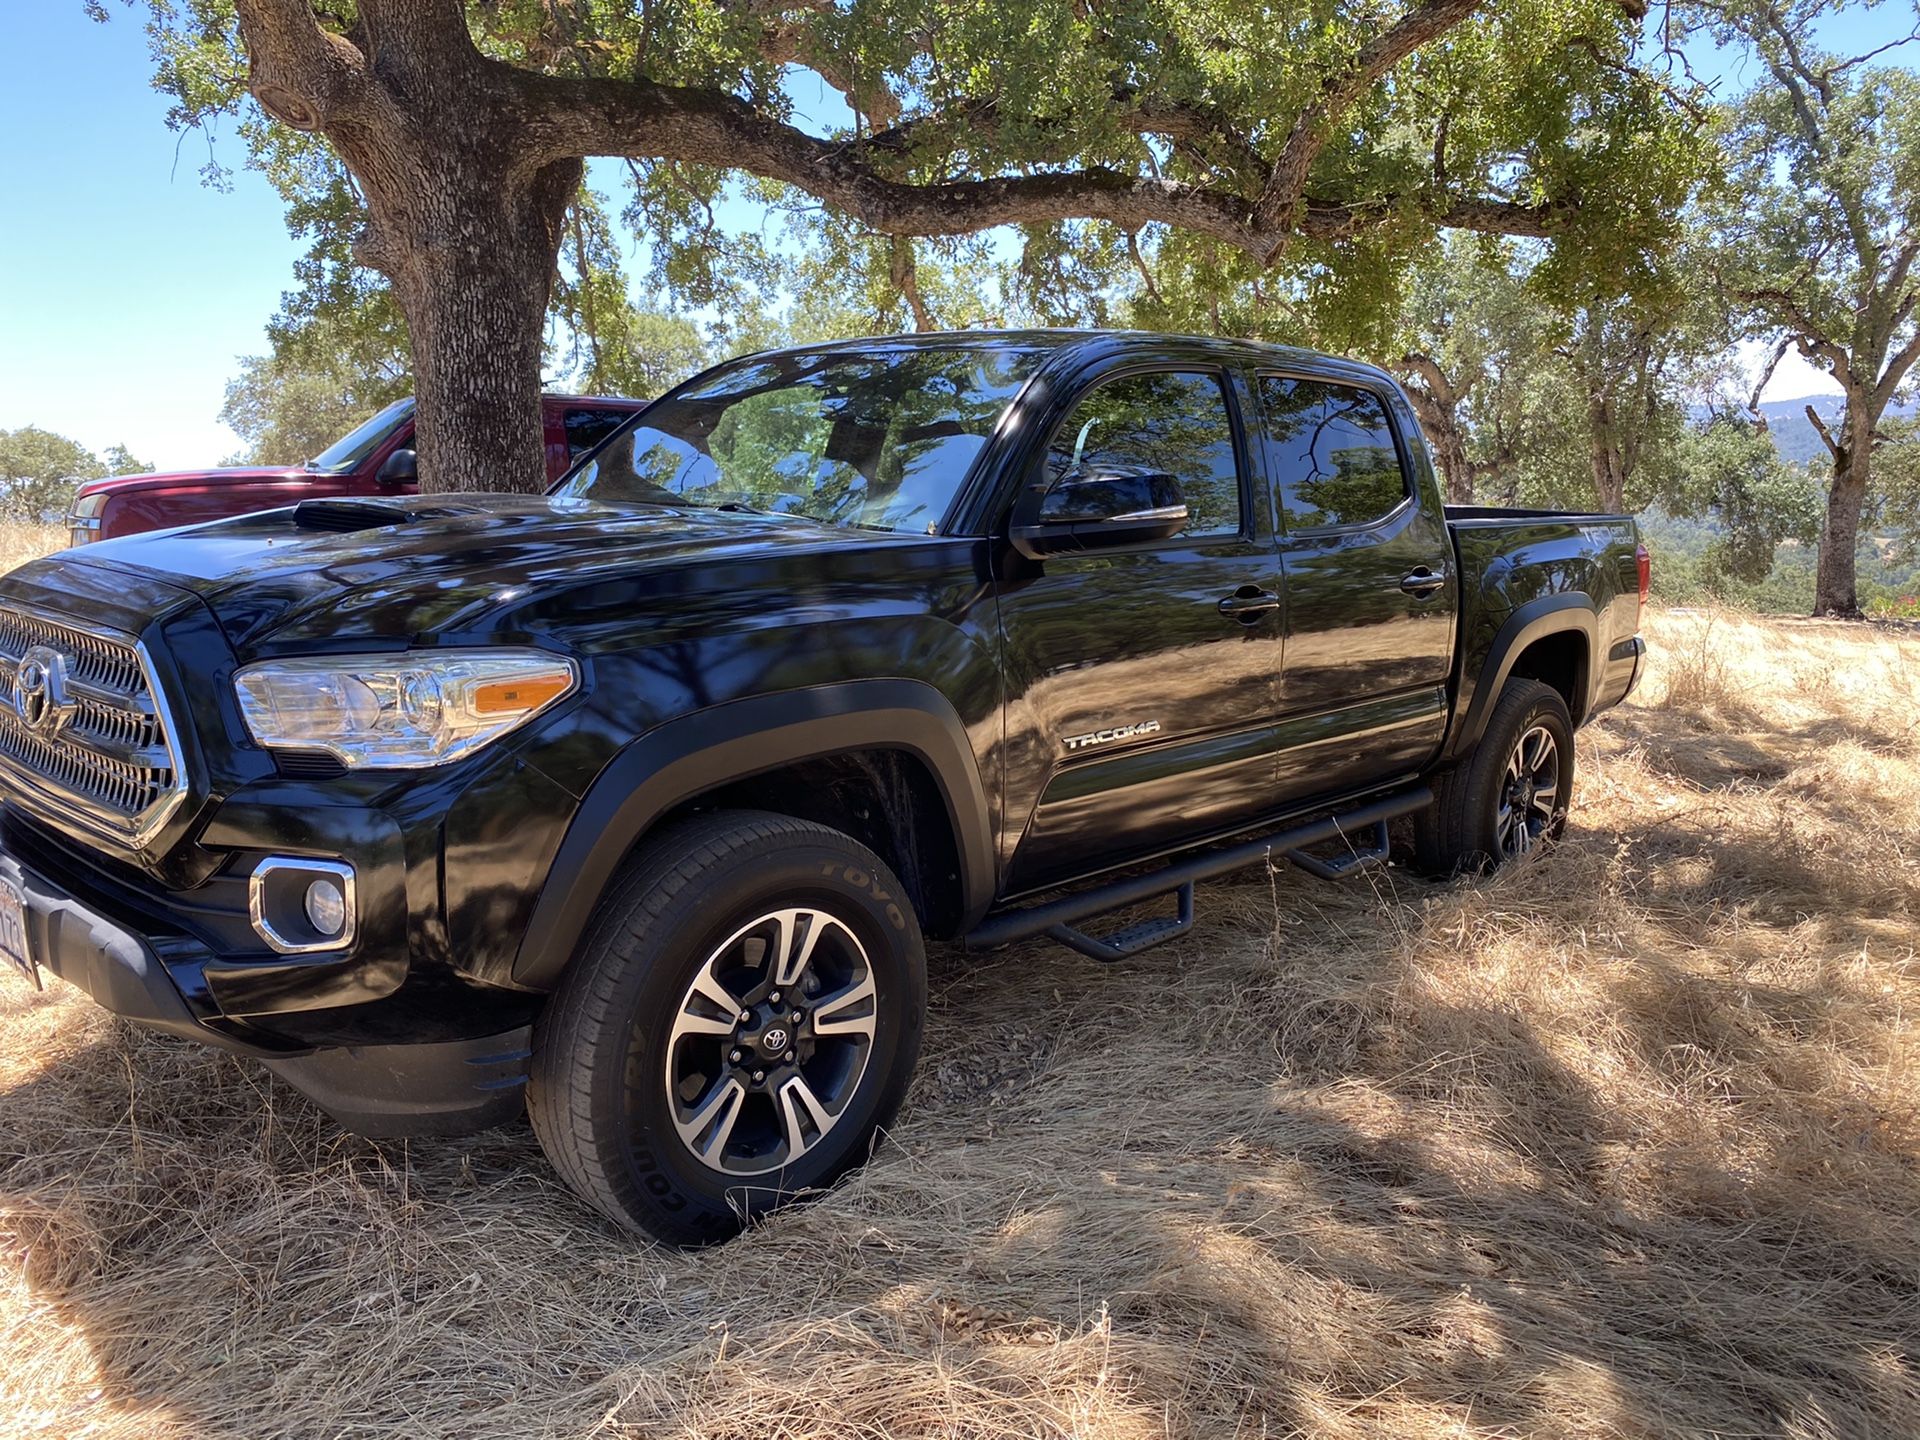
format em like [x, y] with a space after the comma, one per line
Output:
[1064, 338]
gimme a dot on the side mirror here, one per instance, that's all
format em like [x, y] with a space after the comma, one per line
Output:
[1094, 510]
[402, 467]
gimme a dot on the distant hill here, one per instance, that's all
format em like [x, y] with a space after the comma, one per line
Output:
[1793, 434]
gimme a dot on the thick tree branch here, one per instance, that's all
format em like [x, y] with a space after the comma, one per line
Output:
[1203, 127]
[793, 42]
[1203, 131]
[1766, 374]
[1897, 367]
[1427, 370]
[1140, 264]
[1805, 335]
[1820, 426]
[1288, 179]
[906, 280]
[566, 116]
[301, 75]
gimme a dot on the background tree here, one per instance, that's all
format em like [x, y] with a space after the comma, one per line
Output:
[600, 341]
[322, 378]
[463, 129]
[1621, 355]
[39, 471]
[1472, 343]
[1730, 472]
[1817, 236]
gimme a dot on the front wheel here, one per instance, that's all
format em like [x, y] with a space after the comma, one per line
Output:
[741, 1021]
[1508, 797]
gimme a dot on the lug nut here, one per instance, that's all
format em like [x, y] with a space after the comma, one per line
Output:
[758, 1076]
[775, 997]
[735, 1057]
[797, 1017]
[787, 1056]
[746, 1017]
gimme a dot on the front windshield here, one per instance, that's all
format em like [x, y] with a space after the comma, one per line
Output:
[361, 441]
[879, 439]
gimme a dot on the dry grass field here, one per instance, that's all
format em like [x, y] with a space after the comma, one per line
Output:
[20, 543]
[1625, 1143]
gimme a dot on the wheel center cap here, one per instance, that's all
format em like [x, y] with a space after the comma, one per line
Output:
[775, 1041]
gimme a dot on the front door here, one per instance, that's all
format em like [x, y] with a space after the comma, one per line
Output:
[1369, 583]
[1141, 679]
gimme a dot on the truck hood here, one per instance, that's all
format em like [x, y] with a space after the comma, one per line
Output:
[378, 573]
[218, 475]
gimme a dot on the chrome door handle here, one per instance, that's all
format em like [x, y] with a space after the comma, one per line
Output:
[1248, 604]
[1422, 582]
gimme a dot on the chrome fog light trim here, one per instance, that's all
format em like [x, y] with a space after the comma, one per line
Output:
[279, 903]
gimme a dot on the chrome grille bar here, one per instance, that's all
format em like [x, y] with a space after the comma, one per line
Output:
[114, 767]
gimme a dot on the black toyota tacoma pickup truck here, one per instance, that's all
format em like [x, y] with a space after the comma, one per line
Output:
[631, 803]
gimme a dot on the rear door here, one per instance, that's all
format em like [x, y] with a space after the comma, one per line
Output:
[1370, 585]
[1141, 679]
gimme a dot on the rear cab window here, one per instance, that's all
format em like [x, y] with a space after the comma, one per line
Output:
[1332, 454]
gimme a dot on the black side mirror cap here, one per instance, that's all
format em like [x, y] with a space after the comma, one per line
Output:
[1097, 510]
[402, 467]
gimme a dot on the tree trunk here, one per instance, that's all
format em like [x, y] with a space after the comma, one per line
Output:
[471, 257]
[1437, 406]
[1609, 469]
[1450, 454]
[1834, 588]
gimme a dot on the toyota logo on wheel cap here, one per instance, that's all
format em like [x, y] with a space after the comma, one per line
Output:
[774, 1040]
[40, 695]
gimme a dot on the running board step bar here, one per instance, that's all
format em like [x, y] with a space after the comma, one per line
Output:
[1133, 939]
[1338, 867]
[1060, 918]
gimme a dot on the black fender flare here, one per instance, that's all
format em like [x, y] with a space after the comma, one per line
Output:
[695, 753]
[1533, 621]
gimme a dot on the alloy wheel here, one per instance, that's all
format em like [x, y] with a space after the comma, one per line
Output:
[1529, 793]
[771, 1040]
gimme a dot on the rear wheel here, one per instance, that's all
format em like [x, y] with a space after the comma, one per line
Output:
[741, 1021]
[1510, 796]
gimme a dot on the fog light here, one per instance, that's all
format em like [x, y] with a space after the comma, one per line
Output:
[326, 907]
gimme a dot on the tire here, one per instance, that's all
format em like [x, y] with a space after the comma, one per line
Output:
[1482, 816]
[635, 1093]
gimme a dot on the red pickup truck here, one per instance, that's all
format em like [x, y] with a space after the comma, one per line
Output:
[375, 459]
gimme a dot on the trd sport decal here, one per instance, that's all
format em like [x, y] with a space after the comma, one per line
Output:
[1118, 732]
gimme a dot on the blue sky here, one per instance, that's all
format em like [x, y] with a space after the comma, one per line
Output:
[128, 289]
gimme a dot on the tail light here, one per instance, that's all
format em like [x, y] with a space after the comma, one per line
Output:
[1644, 562]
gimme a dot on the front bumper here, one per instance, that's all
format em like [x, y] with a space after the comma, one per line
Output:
[384, 1089]
[118, 968]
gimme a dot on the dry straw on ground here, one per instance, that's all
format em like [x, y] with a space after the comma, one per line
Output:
[21, 543]
[1622, 1144]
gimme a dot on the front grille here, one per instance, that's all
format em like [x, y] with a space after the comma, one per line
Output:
[109, 762]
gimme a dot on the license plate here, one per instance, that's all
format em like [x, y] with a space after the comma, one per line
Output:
[14, 950]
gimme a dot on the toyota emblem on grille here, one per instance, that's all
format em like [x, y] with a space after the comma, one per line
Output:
[40, 695]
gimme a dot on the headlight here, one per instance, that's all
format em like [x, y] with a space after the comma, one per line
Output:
[83, 522]
[392, 711]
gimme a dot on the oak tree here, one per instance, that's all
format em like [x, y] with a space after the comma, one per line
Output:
[464, 128]
[1818, 233]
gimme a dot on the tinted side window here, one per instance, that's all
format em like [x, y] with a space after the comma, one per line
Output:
[1331, 451]
[1163, 422]
[587, 428]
